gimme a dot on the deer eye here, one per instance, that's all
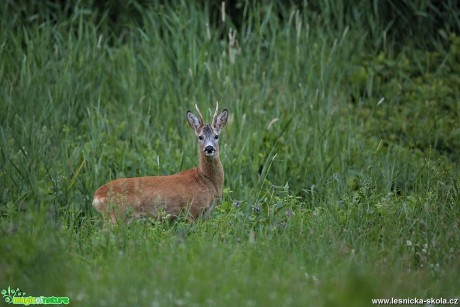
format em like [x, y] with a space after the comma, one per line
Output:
[200, 137]
[216, 136]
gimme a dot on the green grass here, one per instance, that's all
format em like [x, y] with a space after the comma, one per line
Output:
[333, 196]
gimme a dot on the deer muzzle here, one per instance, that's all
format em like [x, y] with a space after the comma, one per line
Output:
[209, 150]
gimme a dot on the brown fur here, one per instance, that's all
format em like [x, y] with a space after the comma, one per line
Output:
[194, 191]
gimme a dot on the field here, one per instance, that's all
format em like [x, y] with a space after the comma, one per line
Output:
[341, 154]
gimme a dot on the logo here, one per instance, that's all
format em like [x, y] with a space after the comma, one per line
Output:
[18, 297]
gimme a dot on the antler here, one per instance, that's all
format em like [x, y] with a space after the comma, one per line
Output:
[215, 113]
[200, 115]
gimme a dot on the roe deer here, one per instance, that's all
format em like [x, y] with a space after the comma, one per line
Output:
[195, 190]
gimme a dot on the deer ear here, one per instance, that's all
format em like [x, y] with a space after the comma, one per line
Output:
[220, 120]
[193, 121]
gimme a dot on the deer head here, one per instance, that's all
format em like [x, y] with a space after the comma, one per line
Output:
[208, 134]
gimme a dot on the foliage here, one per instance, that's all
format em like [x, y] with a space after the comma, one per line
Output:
[341, 156]
[419, 104]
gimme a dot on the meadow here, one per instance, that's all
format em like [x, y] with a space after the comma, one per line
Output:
[341, 154]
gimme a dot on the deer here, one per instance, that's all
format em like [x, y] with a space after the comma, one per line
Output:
[195, 191]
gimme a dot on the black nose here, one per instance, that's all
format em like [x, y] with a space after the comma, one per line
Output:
[209, 149]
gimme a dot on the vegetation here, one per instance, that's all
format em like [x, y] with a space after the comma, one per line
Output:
[341, 154]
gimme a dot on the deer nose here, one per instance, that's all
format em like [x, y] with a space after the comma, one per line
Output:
[209, 149]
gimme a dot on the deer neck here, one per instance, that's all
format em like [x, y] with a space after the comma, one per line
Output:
[212, 169]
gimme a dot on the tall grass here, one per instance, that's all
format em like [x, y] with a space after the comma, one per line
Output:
[325, 203]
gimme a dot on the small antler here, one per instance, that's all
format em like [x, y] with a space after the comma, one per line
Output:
[200, 115]
[215, 113]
